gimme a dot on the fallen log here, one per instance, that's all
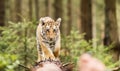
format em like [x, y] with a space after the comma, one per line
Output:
[116, 69]
[52, 65]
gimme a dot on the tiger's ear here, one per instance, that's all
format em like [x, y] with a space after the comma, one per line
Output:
[58, 21]
[41, 21]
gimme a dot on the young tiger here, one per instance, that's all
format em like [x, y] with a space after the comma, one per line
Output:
[48, 38]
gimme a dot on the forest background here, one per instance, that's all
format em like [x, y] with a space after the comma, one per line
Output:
[87, 26]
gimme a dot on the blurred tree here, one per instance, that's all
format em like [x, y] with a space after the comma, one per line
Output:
[7, 11]
[18, 10]
[86, 18]
[69, 24]
[58, 6]
[2, 12]
[48, 7]
[30, 9]
[94, 22]
[37, 9]
[111, 28]
[12, 12]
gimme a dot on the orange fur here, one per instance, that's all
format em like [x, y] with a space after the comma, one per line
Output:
[48, 38]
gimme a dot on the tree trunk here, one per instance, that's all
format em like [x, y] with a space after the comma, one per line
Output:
[48, 7]
[86, 18]
[111, 28]
[37, 9]
[52, 65]
[58, 6]
[94, 23]
[2, 12]
[18, 10]
[30, 9]
[69, 24]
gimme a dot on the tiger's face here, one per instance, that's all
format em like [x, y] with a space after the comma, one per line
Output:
[50, 28]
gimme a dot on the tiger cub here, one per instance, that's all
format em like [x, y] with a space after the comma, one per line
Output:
[48, 38]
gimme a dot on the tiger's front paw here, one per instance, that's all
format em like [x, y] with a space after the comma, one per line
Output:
[51, 57]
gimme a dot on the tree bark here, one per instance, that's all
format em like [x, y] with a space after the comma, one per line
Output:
[37, 9]
[58, 6]
[48, 7]
[94, 23]
[2, 12]
[18, 10]
[30, 9]
[69, 24]
[111, 28]
[86, 18]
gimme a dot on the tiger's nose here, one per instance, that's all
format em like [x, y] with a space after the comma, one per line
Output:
[51, 39]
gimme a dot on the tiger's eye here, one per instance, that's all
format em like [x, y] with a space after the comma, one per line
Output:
[47, 30]
[54, 30]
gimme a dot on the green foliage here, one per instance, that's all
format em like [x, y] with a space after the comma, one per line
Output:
[8, 62]
[74, 45]
[19, 39]
[18, 45]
